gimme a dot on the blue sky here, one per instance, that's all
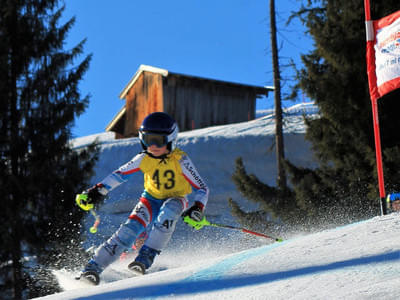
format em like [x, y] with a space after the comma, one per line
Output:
[219, 39]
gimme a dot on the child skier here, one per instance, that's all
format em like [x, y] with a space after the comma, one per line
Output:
[169, 176]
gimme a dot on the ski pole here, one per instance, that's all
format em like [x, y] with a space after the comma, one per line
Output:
[82, 202]
[205, 222]
[93, 229]
[245, 230]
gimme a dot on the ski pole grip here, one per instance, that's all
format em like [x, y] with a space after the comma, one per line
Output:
[196, 224]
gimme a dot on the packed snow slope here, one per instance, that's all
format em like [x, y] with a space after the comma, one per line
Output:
[358, 261]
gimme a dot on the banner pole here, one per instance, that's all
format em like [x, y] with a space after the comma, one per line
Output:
[374, 101]
[379, 157]
[367, 9]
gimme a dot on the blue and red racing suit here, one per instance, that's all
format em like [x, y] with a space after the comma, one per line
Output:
[167, 181]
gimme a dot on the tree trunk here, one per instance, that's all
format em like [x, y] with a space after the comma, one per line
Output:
[15, 194]
[280, 155]
[16, 263]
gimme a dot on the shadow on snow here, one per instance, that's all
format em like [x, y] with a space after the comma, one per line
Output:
[188, 286]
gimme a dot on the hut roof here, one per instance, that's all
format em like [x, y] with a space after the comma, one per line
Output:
[261, 90]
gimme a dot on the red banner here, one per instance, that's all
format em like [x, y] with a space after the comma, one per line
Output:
[383, 55]
[383, 68]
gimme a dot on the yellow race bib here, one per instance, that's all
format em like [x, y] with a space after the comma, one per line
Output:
[163, 178]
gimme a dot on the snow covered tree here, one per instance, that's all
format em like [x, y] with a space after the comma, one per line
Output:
[39, 171]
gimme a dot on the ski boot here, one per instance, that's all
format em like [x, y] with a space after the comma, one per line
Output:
[144, 260]
[91, 273]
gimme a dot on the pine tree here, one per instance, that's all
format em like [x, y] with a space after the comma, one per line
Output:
[344, 186]
[39, 171]
[335, 77]
[275, 206]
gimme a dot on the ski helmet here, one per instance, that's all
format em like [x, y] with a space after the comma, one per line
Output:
[390, 198]
[158, 129]
[393, 197]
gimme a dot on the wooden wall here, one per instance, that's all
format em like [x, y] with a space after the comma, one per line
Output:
[145, 97]
[197, 103]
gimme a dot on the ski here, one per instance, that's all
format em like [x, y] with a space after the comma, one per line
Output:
[137, 268]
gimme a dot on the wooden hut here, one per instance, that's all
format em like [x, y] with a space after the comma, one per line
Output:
[194, 102]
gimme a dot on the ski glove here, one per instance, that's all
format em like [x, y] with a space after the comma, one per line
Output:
[195, 212]
[96, 193]
[194, 215]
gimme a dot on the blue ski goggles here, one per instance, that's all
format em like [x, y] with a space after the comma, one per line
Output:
[149, 139]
